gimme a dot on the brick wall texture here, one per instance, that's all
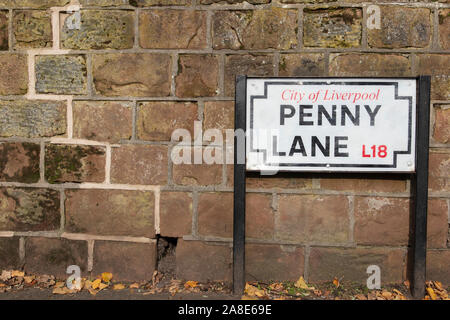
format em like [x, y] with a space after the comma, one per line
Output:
[87, 113]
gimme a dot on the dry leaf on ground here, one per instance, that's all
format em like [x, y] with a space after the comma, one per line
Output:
[107, 276]
[119, 286]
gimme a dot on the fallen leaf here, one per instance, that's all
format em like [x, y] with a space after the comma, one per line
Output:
[92, 291]
[59, 284]
[438, 285]
[361, 297]
[387, 295]
[119, 287]
[96, 283]
[406, 283]
[431, 293]
[6, 275]
[253, 291]
[17, 273]
[107, 276]
[302, 284]
[102, 286]
[190, 284]
[134, 286]
[29, 279]
[87, 285]
[244, 297]
[336, 282]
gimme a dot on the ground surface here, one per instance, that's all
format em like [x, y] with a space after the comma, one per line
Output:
[16, 285]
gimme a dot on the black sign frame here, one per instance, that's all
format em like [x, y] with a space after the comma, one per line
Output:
[419, 182]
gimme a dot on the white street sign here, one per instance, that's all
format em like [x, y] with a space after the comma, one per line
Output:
[332, 124]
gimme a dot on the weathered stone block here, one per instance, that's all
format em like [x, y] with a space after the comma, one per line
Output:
[29, 209]
[53, 256]
[33, 3]
[104, 3]
[151, 3]
[13, 74]
[335, 28]
[4, 30]
[32, 119]
[401, 28]
[215, 215]
[313, 218]
[234, 1]
[9, 253]
[215, 263]
[369, 65]
[437, 224]
[197, 174]
[382, 184]
[172, 29]
[273, 28]
[100, 29]
[72, 163]
[249, 64]
[381, 221]
[260, 218]
[218, 115]
[32, 29]
[140, 258]
[139, 164]
[175, 214]
[157, 120]
[351, 264]
[198, 75]
[444, 29]
[286, 262]
[110, 212]
[438, 66]
[441, 130]
[130, 74]
[304, 64]
[61, 74]
[437, 266]
[19, 162]
[109, 121]
[439, 171]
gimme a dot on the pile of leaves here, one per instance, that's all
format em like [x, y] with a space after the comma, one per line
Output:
[335, 290]
[18, 280]
[299, 290]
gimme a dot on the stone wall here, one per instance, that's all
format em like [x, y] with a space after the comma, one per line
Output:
[87, 113]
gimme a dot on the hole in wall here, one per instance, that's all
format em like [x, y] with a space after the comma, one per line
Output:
[166, 256]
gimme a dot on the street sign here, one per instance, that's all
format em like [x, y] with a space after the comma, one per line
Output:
[331, 124]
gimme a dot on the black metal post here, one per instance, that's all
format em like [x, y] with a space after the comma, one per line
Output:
[420, 184]
[239, 189]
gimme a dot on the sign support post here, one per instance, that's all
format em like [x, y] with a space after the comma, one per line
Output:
[420, 187]
[239, 189]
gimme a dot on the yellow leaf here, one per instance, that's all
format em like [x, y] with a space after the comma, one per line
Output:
[301, 284]
[387, 295]
[102, 286]
[190, 284]
[438, 285]
[134, 286]
[87, 284]
[107, 276]
[59, 291]
[336, 282]
[431, 293]
[59, 284]
[244, 297]
[96, 283]
[92, 291]
[17, 273]
[119, 287]
[253, 291]
[29, 279]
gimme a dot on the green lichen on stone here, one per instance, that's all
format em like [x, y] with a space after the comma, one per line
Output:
[32, 119]
[61, 74]
[67, 163]
[29, 209]
[19, 162]
[151, 3]
[332, 27]
[32, 3]
[32, 29]
[100, 29]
